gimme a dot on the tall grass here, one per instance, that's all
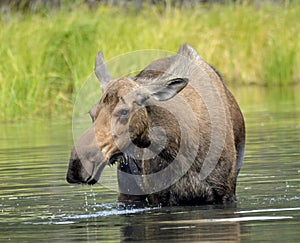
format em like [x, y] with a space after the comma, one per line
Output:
[45, 57]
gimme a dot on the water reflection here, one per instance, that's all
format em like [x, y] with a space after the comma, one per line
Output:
[36, 204]
[180, 224]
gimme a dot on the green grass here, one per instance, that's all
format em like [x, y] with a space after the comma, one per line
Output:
[46, 57]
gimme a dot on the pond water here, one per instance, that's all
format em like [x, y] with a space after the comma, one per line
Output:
[37, 205]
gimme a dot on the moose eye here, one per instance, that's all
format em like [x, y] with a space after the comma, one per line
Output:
[124, 113]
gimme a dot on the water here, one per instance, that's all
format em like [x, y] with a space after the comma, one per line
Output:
[37, 205]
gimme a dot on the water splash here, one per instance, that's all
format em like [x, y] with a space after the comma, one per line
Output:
[93, 195]
[110, 209]
[86, 203]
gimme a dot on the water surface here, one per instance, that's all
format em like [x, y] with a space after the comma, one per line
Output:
[37, 205]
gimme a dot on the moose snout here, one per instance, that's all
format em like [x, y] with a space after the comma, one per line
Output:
[86, 160]
[76, 173]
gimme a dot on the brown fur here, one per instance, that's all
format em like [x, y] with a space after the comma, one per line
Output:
[125, 108]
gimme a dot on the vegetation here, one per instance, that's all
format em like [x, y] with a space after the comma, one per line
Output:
[45, 57]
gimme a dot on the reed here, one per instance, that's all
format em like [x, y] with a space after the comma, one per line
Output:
[46, 57]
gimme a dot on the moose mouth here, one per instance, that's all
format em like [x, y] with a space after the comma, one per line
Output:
[115, 158]
[91, 181]
[95, 175]
[126, 163]
[96, 172]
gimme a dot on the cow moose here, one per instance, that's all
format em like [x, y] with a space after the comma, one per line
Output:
[174, 130]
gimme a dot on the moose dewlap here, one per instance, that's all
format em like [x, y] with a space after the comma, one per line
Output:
[174, 130]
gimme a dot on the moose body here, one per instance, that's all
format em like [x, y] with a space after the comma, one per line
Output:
[175, 131]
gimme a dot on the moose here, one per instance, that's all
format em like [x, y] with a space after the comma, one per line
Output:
[174, 130]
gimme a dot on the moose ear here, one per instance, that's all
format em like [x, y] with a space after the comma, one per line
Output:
[101, 70]
[168, 90]
[188, 51]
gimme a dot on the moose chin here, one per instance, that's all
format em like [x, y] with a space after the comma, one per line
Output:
[175, 132]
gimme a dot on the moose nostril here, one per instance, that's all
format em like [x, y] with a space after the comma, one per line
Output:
[75, 166]
[70, 179]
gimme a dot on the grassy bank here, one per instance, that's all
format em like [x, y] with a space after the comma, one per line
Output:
[45, 58]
